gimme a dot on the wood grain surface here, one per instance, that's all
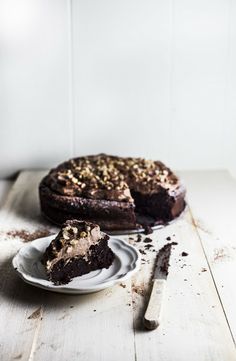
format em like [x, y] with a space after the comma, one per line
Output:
[198, 315]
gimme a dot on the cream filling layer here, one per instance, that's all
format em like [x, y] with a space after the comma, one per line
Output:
[77, 247]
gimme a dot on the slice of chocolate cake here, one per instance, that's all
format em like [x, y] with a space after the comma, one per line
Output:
[79, 247]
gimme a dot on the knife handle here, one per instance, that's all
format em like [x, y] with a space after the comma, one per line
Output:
[153, 312]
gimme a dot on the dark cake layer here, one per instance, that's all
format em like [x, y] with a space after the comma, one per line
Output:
[58, 217]
[108, 214]
[100, 256]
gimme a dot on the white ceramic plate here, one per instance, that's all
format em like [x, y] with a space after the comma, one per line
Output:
[27, 264]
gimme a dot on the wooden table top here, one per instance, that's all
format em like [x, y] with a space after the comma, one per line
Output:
[199, 313]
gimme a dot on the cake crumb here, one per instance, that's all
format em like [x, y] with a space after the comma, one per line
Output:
[203, 269]
[148, 246]
[168, 238]
[122, 285]
[139, 238]
[142, 251]
[147, 240]
[184, 254]
[131, 241]
[147, 229]
[139, 289]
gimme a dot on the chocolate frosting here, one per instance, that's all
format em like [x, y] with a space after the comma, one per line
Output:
[109, 177]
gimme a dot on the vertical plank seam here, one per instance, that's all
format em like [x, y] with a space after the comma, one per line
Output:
[211, 273]
[71, 78]
[135, 350]
[36, 334]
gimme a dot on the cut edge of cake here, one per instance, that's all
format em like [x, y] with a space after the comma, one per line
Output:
[79, 248]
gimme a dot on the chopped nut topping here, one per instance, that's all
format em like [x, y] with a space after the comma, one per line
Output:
[91, 175]
[83, 234]
[73, 242]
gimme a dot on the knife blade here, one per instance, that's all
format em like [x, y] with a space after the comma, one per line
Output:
[152, 317]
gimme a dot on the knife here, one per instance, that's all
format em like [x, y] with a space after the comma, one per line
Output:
[152, 315]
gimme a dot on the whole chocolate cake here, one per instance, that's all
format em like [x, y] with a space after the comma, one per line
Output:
[117, 193]
[79, 247]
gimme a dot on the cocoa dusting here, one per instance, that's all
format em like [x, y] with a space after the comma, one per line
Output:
[27, 236]
[139, 289]
[219, 254]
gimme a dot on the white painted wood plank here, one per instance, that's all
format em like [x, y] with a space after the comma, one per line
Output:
[121, 57]
[5, 186]
[193, 324]
[212, 196]
[34, 87]
[71, 327]
[98, 327]
[18, 301]
[21, 209]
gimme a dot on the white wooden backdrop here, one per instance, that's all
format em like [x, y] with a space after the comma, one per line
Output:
[143, 77]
